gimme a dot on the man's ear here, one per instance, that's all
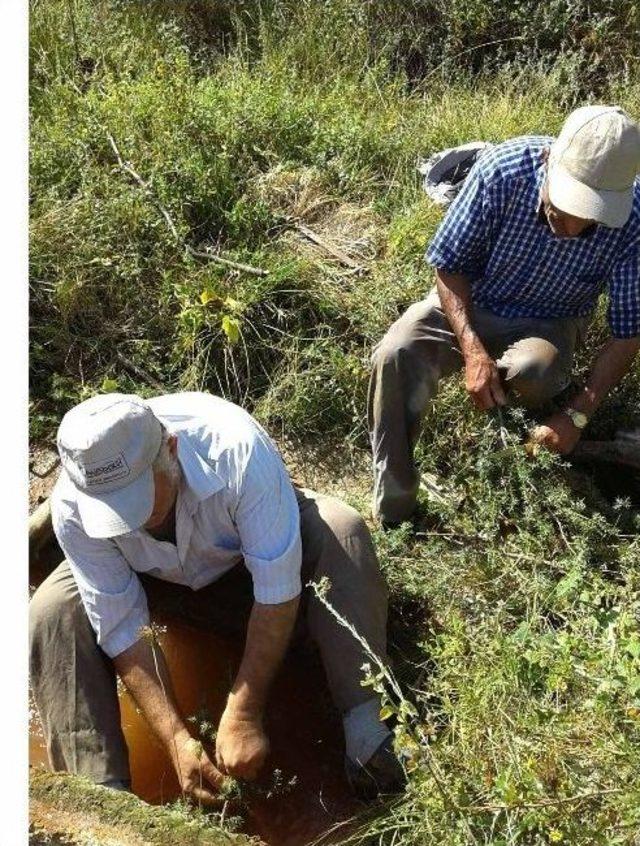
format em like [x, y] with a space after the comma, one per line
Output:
[172, 444]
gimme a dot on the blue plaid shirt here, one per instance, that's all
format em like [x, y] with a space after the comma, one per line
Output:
[494, 232]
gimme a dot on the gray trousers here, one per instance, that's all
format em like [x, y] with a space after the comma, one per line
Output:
[534, 357]
[74, 682]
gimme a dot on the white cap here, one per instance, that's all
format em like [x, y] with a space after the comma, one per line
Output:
[107, 445]
[593, 165]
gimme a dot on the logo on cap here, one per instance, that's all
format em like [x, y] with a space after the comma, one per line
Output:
[106, 470]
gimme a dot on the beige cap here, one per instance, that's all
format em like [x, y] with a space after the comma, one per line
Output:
[107, 445]
[593, 164]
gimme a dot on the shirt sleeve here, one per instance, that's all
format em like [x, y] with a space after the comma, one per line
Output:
[624, 294]
[268, 523]
[113, 598]
[462, 241]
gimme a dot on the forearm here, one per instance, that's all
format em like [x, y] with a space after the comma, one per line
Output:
[482, 378]
[268, 635]
[144, 673]
[611, 365]
[454, 290]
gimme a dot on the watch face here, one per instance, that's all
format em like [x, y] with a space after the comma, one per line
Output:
[579, 419]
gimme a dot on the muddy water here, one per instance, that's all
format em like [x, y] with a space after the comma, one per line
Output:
[304, 730]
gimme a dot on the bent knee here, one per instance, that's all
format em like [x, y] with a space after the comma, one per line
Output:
[535, 370]
[342, 520]
[55, 604]
[391, 350]
[399, 342]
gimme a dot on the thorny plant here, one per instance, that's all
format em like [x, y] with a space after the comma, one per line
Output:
[238, 791]
[412, 735]
[276, 785]
[150, 635]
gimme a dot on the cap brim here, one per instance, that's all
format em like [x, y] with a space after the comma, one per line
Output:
[118, 512]
[612, 208]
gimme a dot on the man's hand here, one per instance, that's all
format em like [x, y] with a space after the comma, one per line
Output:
[241, 745]
[482, 376]
[143, 669]
[557, 434]
[196, 773]
[483, 380]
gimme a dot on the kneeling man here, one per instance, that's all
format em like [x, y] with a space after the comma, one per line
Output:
[183, 503]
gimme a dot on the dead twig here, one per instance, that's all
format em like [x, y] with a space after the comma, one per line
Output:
[329, 248]
[205, 254]
[236, 265]
[137, 371]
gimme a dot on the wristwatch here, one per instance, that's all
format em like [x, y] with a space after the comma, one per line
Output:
[578, 419]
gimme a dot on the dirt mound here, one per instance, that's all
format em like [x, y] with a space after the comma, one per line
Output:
[74, 811]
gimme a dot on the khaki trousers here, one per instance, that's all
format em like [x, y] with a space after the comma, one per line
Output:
[534, 357]
[74, 682]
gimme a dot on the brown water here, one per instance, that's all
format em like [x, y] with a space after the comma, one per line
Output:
[305, 733]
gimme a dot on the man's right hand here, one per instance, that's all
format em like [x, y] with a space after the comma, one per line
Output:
[196, 773]
[482, 380]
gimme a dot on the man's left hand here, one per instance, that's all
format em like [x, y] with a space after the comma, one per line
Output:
[241, 745]
[557, 434]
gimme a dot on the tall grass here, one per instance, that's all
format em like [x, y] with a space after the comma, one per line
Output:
[211, 131]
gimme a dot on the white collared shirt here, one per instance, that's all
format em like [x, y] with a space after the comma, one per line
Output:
[236, 502]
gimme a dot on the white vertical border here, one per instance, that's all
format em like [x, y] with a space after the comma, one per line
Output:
[14, 139]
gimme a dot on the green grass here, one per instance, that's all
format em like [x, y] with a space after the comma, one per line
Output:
[214, 136]
[519, 603]
[101, 807]
[530, 683]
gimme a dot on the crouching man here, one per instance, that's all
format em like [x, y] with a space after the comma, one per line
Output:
[540, 228]
[182, 503]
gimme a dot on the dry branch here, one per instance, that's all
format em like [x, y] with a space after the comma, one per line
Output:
[137, 371]
[329, 248]
[127, 168]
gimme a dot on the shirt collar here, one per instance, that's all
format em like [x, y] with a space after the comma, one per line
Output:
[201, 480]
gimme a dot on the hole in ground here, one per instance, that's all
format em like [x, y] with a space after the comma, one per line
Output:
[304, 728]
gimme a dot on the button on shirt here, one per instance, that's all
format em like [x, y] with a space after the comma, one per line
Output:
[235, 502]
[518, 268]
